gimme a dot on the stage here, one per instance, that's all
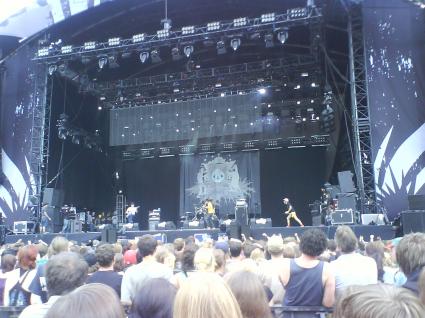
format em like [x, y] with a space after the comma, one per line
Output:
[385, 232]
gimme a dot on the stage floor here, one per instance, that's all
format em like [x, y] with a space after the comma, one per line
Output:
[385, 232]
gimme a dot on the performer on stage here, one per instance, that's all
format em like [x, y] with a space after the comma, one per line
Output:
[290, 212]
[210, 213]
[65, 210]
[46, 220]
[131, 212]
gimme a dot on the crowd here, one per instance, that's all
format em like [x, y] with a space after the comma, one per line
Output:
[218, 279]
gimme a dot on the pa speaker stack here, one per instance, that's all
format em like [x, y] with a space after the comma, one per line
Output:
[413, 221]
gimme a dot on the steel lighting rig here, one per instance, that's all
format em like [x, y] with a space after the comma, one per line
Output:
[187, 34]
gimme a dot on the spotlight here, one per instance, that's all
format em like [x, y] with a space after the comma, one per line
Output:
[43, 52]
[268, 17]
[262, 91]
[269, 40]
[144, 56]
[75, 140]
[103, 60]
[188, 30]
[235, 43]
[52, 69]
[328, 119]
[188, 50]
[89, 45]
[62, 133]
[213, 26]
[155, 57]
[221, 47]
[282, 36]
[114, 41]
[137, 38]
[66, 49]
[240, 22]
[163, 34]
[175, 54]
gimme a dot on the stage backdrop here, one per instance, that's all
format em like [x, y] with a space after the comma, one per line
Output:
[395, 47]
[224, 178]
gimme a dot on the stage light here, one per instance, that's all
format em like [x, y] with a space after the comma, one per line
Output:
[43, 52]
[328, 119]
[75, 140]
[155, 57]
[66, 49]
[175, 54]
[90, 45]
[269, 40]
[213, 26]
[114, 41]
[113, 61]
[297, 86]
[268, 17]
[188, 30]
[163, 34]
[126, 55]
[62, 133]
[282, 36]
[314, 85]
[188, 50]
[235, 43]
[240, 22]
[144, 56]
[52, 68]
[102, 62]
[297, 13]
[221, 47]
[262, 91]
[137, 38]
[99, 108]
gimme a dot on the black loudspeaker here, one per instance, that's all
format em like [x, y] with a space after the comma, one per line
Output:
[347, 201]
[261, 223]
[53, 197]
[57, 218]
[413, 221]
[109, 234]
[169, 225]
[316, 220]
[416, 202]
[193, 225]
[345, 179]
[233, 230]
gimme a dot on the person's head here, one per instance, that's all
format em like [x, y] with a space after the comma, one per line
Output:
[147, 245]
[250, 294]
[42, 249]
[164, 256]
[286, 200]
[188, 257]
[59, 244]
[257, 255]
[332, 246]
[105, 255]
[154, 299]
[132, 204]
[65, 272]
[313, 242]
[27, 257]
[378, 301]
[118, 262]
[235, 248]
[8, 262]
[410, 253]
[88, 301]
[345, 239]
[178, 244]
[204, 260]
[275, 246]
[376, 250]
[205, 295]
[220, 261]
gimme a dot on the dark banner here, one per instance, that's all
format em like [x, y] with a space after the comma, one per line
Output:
[224, 178]
[395, 55]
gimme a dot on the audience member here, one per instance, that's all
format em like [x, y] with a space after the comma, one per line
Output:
[378, 301]
[119, 265]
[64, 273]
[164, 256]
[154, 300]
[204, 260]
[105, 274]
[308, 281]
[88, 301]
[351, 268]
[376, 250]
[16, 289]
[188, 266]
[8, 262]
[205, 295]
[250, 294]
[410, 255]
[220, 261]
[236, 256]
[137, 275]
[392, 272]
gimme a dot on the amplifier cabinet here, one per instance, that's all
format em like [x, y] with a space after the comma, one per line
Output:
[344, 216]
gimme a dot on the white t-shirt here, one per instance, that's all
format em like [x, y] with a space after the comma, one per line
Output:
[354, 269]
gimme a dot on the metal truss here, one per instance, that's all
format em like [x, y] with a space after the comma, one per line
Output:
[39, 151]
[360, 110]
[186, 35]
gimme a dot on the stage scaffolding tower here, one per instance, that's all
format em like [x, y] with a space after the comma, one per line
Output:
[360, 110]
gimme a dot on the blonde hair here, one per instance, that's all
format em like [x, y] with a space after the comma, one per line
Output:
[378, 301]
[59, 244]
[206, 295]
[257, 255]
[204, 260]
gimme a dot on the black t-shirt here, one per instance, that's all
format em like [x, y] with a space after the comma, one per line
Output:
[288, 207]
[109, 278]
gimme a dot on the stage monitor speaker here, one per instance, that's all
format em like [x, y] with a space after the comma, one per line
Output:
[193, 225]
[109, 234]
[345, 179]
[413, 221]
[261, 223]
[53, 197]
[169, 225]
[416, 202]
[373, 219]
[342, 217]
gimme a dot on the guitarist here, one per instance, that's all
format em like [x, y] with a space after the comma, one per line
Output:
[290, 212]
[131, 212]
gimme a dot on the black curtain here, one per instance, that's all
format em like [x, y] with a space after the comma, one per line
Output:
[294, 173]
[151, 184]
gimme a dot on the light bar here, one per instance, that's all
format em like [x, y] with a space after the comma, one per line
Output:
[268, 17]
[43, 52]
[66, 49]
[213, 26]
[137, 38]
[163, 34]
[89, 45]
[297, 13]
[114, 41]
[188, 30]
[240, 22]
